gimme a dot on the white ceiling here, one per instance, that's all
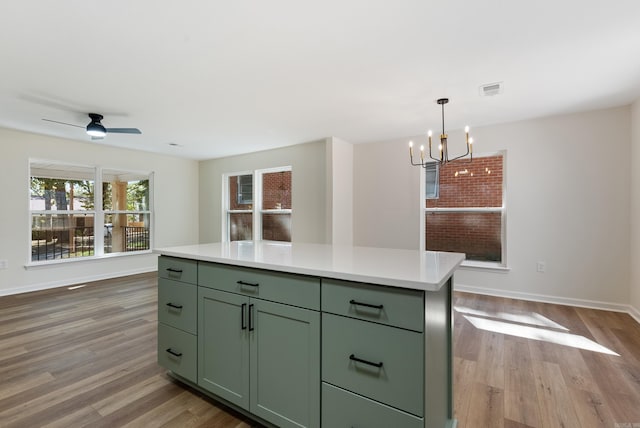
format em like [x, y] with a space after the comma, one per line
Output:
[227, 77]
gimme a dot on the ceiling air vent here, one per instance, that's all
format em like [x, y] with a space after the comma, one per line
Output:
[491, 89]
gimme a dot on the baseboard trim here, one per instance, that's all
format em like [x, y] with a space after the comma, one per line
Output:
[635, 313]
[543, 298]
[74, 281]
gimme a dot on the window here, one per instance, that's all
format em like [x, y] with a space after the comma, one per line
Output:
[245, 189]
[258, 205]
[127, 216]
[85, 211]
[467, 216]
[240, 208]
[432, 180]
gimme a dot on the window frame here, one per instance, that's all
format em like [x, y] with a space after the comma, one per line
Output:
[502, 265]
[257, 211]
[98, 213]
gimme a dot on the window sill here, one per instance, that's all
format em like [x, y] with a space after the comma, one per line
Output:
[484, 266]
[59, 262]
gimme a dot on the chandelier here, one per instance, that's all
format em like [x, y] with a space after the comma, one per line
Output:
[443, 150]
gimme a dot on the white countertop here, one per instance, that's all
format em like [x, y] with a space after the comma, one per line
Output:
[420, 270]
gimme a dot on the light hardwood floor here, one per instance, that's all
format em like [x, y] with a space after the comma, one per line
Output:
[87, 357]
[527, 364]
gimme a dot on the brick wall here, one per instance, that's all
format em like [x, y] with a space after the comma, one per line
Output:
[475, 184]
[276, 189]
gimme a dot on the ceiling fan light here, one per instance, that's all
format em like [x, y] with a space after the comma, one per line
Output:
[95, 129]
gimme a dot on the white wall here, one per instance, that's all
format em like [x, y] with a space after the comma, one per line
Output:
[635, 209]
[309, 169]
[568, 187]
[176, 208]
[386, 196]
[340, 191]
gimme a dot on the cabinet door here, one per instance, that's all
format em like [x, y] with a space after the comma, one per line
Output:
[285, 364]
[223, 345]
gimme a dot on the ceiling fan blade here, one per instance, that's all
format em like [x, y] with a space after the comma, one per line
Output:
[123, 131]
[63, 123]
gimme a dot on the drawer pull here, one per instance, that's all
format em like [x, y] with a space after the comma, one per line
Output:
[242, 315]
[251, 327]
[368, 305]
[248, 283]
[174, 353]
[359, 360]
[174, 306]
[174, 270]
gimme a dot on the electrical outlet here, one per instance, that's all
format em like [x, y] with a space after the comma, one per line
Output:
[541, 267]
[4, 264]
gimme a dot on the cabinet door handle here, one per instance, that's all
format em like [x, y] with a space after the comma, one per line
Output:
[368, 305]
[174, 270]
[174, 353]
[251, 327]
[174, 306]
[243, 322]
[250, 284]
[359, 360]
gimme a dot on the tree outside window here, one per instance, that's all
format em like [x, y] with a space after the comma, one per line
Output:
[67, 221]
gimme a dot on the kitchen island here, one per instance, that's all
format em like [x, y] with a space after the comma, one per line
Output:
[310, 335]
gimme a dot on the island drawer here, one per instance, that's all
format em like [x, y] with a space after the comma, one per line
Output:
[178, 351]
[295, 290]
[377, 361]
[178, 269]
[344, 409]
[398, 307]
[178, 305]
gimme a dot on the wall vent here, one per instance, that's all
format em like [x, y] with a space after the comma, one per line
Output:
[491, 89]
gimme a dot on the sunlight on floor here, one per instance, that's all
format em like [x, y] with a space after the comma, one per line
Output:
[522, 318]
[539, 328]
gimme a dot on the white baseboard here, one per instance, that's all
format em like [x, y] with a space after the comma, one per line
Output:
[66, 283]
[591, 304]
[635, 313]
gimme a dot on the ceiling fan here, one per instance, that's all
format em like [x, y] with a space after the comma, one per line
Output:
[95, 128]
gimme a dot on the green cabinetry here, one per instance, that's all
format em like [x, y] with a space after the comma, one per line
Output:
[247, 336]
[300, 351]
[223, 345]
[344, 409]
[373, 355]
[263, 356]
[177, 316]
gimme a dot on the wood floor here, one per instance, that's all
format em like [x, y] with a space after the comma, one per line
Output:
[526, 364]
[74, 357]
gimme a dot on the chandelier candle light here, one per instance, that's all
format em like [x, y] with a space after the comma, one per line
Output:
[442, 148]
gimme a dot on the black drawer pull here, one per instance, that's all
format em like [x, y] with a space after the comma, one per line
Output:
[368, 305]
[243, 323]
[174, 306]
[251, 326]
[354, 358]
[174, 270]
[174, 353]
[248, 283]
